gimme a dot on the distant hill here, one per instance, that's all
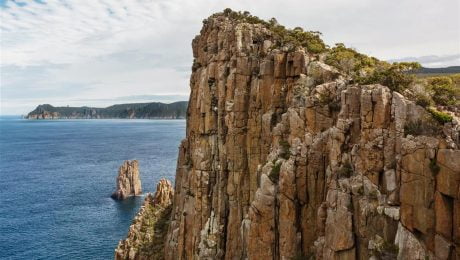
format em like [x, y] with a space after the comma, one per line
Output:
[451, 69]
[154, 110]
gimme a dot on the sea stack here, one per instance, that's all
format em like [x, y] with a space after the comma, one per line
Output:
[128, 180]
[147, 234]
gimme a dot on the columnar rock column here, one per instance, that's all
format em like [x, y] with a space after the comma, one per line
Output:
[128, 180]
[286, 157]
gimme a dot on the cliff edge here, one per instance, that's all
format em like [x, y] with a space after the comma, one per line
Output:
[290, 151]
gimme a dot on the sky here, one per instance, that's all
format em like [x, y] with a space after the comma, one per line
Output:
[104, 52]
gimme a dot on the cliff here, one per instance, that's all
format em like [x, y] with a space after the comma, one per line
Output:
[146, 235]
[288, 157]
[154, 110]
[128, 180]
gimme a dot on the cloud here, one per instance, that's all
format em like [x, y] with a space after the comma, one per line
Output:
[433, 61]
[56, 51]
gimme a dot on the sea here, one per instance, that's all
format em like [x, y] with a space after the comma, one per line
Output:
[56, 178]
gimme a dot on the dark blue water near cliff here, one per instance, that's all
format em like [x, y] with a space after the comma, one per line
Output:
[56, 178]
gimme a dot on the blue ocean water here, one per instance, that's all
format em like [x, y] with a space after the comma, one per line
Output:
[56, 178]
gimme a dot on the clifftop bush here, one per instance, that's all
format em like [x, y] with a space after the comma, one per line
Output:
[369, 70]
[296, 37]
[442, 117]
[362, 69]
[444, 91]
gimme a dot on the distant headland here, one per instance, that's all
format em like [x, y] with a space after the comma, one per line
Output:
[153, 110]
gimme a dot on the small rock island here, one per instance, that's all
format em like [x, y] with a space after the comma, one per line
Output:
[128, 180]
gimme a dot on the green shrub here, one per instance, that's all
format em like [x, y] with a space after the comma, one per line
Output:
[423, 100]
[395, 76]
[444, 91]
[349, 60]
[369, 70]
[296, 37]
[310, 40]
[440, 116]
[243, 16]
[362, 68]
[413, 128]
[275, 172]
[421, 127]
[455, 80]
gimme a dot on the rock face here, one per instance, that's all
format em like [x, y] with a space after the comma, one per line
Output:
[128, 180]
[285, 157]
[146, 235]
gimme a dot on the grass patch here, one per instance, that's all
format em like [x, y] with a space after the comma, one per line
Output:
[441, 117]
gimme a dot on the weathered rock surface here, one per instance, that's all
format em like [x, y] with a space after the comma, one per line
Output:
[128, 180]
[285, 157]
[146, 235]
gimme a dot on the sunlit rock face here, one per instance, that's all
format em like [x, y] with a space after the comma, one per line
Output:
[284, 157]
[128, 180]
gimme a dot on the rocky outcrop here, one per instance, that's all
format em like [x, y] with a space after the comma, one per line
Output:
[128, 181]
[146, 235]
[286, 157]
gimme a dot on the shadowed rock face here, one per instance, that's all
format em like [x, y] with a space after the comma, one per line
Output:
[285, 157]
[128, 181]
[146, 235]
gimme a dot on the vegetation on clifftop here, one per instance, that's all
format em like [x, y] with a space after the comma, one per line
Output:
[369, 70]
[283, 36]
[362, 68]
[434, 93]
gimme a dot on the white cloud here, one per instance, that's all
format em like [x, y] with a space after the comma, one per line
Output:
[433, 61]
[68, 50]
